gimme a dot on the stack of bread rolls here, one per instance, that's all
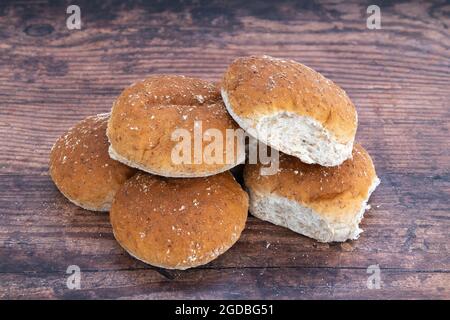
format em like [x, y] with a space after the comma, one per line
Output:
[179, 215]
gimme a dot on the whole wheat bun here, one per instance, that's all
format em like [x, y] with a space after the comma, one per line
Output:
[323, 203]
[178, 223]
[81, 167]
[291, 108]
[145, 116]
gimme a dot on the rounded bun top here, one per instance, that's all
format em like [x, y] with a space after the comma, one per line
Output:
[179, 223]
[257, 86]
[81, 167]
[331, 191]
[146, 114]
[169, 90]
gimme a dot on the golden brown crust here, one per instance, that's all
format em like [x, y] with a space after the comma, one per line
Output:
[334, 192]
[178, 223]
[261, 85]
[81, 167]
[146, 114]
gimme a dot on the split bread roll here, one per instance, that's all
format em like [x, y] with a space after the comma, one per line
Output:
[146, 116]
[323, 203]
[178, 223]
[81, 167]
[291, 108]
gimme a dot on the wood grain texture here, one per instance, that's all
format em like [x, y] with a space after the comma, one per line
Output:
[398, 77]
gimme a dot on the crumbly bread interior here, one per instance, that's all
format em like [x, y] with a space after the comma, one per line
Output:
[304, 220]
[299, 136]
[325, 203]
[291, 107]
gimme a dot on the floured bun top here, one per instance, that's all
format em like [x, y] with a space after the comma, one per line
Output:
[152, 118]
[179, 223]
[81, 167]
[261, 85]
[336, 193]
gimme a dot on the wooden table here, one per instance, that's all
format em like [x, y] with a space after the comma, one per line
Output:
[398, 77]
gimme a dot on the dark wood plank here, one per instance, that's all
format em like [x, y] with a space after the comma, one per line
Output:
[249, 283]
[398, 77]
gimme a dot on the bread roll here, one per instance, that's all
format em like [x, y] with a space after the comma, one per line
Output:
[291, 108]
[146, 115]
[178, 223]
[326, 204]
[81, 167]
